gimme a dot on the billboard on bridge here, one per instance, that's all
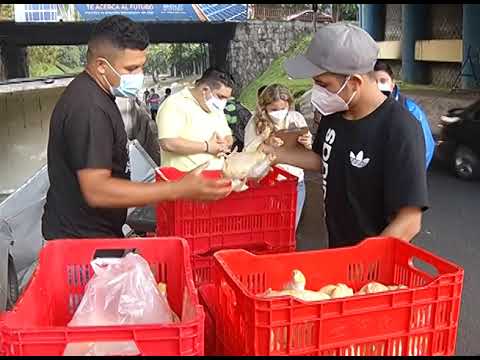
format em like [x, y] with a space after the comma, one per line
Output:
[137, 12]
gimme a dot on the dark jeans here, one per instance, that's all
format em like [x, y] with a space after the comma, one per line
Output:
[154, 114]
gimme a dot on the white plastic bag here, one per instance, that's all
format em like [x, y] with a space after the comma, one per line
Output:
[123, 291]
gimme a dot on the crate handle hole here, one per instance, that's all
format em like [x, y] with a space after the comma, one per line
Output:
[113, 253]
[419, 264]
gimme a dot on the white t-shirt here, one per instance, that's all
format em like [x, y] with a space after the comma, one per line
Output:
[126, 107]
[293, 117]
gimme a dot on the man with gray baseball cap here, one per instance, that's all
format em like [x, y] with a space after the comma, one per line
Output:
[372, 160]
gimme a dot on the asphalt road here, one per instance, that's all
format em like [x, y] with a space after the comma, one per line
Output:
[451, 229]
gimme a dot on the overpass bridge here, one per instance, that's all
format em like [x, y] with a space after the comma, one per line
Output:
[14, 37]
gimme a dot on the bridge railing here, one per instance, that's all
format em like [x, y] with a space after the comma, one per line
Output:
[263, 13]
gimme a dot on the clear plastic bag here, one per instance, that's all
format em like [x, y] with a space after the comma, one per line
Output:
[101, 348]
[123, 291]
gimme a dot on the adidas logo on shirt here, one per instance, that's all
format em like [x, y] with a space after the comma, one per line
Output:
[358, 161]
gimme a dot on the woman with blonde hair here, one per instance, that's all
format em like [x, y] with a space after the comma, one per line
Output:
[274, 112]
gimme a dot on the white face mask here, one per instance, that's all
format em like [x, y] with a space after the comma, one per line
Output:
[384, 87]
[327, 102]
[278, 116]
[215, 104]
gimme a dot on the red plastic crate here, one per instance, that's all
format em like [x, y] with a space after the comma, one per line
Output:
[421, 320]
[207, 295]
[203, 265]
[261, 217]
[37, 324]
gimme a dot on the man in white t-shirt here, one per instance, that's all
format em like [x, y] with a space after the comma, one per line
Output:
[191, 124]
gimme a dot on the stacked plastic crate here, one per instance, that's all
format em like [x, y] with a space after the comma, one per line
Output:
[260, 219]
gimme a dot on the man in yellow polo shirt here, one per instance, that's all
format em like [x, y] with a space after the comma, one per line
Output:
[192, 127]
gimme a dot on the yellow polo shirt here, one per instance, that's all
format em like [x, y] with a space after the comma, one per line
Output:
[181, 116]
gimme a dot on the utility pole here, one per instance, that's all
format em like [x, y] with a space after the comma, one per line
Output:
[315, 9]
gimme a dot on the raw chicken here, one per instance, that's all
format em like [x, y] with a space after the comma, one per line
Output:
[341, 291]
[375, 287]
[297, 282]
[296, 288]
[337, 291]
[252, 163]
[305, 295]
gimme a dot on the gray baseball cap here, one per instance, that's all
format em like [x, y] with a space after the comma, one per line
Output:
[337, 48]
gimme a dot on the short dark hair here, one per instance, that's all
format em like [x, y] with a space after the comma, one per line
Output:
[215, 78]
[383, 66]
[121, 32]
[260, 90]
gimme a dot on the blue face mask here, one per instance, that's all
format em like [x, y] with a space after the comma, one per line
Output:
[130, 84]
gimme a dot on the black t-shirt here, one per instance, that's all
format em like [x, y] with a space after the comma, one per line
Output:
[86, 132]
[372, 167]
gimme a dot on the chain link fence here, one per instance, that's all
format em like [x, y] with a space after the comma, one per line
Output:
[393, 23]
[393, 32]
[447, 21]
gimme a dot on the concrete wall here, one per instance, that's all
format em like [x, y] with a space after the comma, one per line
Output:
[257, 43]
[24, 125]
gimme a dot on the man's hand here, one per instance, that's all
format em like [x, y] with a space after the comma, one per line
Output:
[271, 152]
[194, 186]
[306, 140]
[274, 141]
[217, 145]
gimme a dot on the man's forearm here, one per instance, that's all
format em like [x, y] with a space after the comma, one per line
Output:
[183, 146]
[302, 158]
[118, 193]
[406, 224]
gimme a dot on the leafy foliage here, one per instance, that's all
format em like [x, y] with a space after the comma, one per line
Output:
[276, 74]
[6, 12]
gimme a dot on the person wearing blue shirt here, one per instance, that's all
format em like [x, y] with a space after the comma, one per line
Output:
[386, 84]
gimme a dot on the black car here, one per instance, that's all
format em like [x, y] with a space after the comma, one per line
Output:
[458, 143]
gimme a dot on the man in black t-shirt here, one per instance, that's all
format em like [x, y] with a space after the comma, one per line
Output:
[372, 159]
[88, 169]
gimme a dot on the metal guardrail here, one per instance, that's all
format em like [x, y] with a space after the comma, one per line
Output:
[262, 13]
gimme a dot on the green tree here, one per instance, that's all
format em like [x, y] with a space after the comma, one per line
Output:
[157, 60]
[6, 12]
[43, 55]
[176, 59]
[69, 56]
[345, 12]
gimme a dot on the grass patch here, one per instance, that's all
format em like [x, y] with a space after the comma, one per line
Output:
[404, 86]
[276, 74]
[41, 69]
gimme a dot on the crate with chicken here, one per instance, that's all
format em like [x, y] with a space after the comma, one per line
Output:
[258, 215]
[381, 297]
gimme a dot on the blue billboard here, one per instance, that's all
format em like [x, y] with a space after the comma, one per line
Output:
[137, 12]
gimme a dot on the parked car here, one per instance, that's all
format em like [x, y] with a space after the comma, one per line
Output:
[458, 144]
